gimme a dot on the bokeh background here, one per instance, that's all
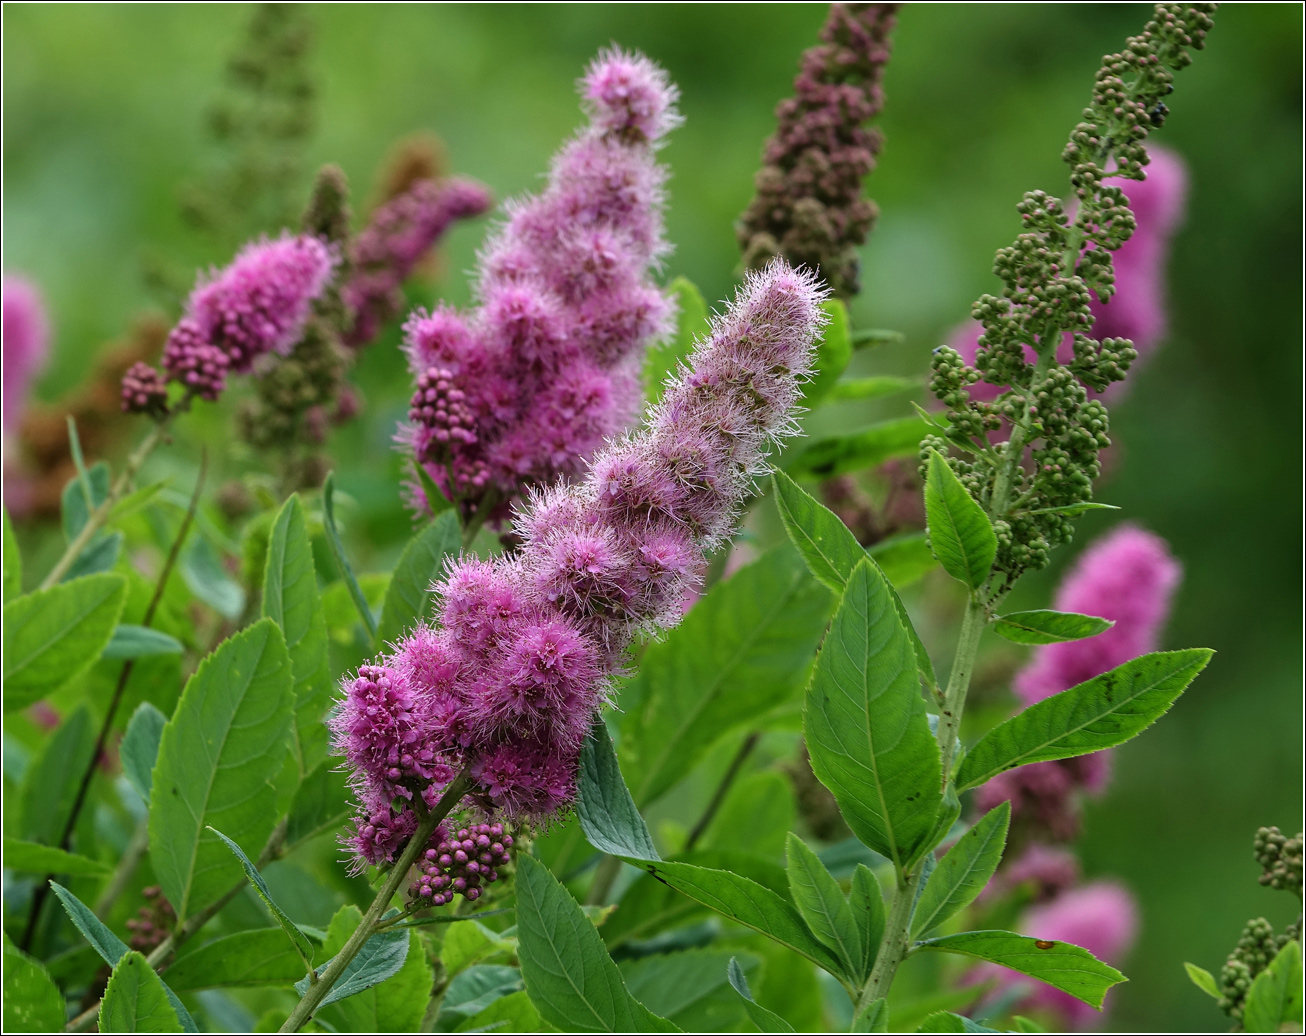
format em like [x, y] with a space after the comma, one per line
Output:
[103, 124]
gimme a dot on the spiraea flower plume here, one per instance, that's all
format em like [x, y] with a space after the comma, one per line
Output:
[26, 344]
[509, 679]
[530, 383]
[809, 206]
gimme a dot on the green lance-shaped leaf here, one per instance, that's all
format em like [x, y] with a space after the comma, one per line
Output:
[1203, 980]
[865, 723]
[139, 750]
[129, 641]
[13, 561]
[603, 803]
[380, 957]
[742, 650]
[856, 451]
[832, 552]
[569, 975]
[135, 1000]
[50, 784]
[408, 598]
[962, 874]
[867, 905]
[1274, 1003]
[32, 1002]
[297, 938]
[257, 957]
[750, 904]
[110, 948]
[1067, 967]
[395, 1004]
[660, 360]
[35, 858]
[946, 1021]
[766, 1021]
[833, 352]
[290, 599]
[822, 905]
[961, 534]
[1043, 626]
[1099, 713]
[54, 635]
[218, 760]
[338, 552]
[435, 498]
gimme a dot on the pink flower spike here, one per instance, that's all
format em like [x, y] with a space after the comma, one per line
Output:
[26, 342]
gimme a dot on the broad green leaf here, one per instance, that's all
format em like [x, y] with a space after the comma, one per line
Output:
[607, 812]
[865, 723]
[321, 803]
[338, 552]
[568, 973]
[54, 635]
[872, 388]
[130, 641]
[436, 501]
[1043, 626]
[139, 750]
[962, 874]
[1274, 1003]
[832, 552]
[219, 756]
[903, 558]
[135, 1000]
[511, 1013]
[475, 989]
[396, 1004]
[408, 599]
[290, 599]
[855, 451]
[1203, 980]
[32, 1002]
[946, 1021]
[661, 359]
[961, 534]
[756, 815]
[833, 351]
[690, 988]
[206, 577]
[766, 1021]
[13, 562]
[297, 938]
[821, 903]
[1067, 967]
[471, 943]
[742, 650]
[874, 1017]
[35, 858]
[867, 904]
[380, 957]
[50, 785]
[257, 957]
[110, 948]
[1099, 713]
[749, 904]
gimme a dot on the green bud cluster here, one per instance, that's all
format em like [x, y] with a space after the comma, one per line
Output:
[1280, 858]
[1032, 483]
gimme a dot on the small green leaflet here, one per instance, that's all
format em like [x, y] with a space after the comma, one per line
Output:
[300, 941]
[963, 872]
[607, 812]
[380, 957]
[961, 534]
[767, 1021]
[946, 1021]
[130, 641]
[1203, 980]
[1043, 626]
[867, 904]
[140, 747]
[436, 501]
[1099, 713]
[822, 905]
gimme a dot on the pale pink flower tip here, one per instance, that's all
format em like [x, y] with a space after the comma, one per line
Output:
[26, 341]
[630, 94]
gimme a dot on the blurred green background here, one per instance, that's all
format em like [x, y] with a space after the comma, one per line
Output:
[103, 109]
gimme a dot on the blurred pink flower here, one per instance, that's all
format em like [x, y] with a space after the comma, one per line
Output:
[26, 343]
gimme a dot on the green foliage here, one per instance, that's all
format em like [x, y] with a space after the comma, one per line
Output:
[1203, 980]
[32, 1002]
[297, 938]
[135, 1000]
[963, 872]
[46, 859]
[867, 904]
[408, 598]
[822, 905]
[868, 448]
[139, 749]
[1069, 968]
[872, 388]
[865, 723]
[321, 803]
[129, 641]
[661, 359]
[689, 988]
[54, 635]
[291, 600]
[1099, 713]
[511, 1013]
[435, 498]
[254, 957]
[50, 784]
[961, 535]
[766, 1021]
[475, 989]
[946, 1021]
[607, 812]
[742, 650]
[207, 578]
[85, 492]
[1043, 626]
[218, 758]
[13, 561]
[834, 350]
[338, 553]
[396, 1000]
[382, 956]
[569, 975]
[1275, 1000]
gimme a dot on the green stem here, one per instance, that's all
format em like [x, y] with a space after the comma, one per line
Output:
[719, 796]
[893, 947]
[398, 873]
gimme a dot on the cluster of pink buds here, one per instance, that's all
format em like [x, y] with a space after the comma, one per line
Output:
[154, 923]
[461, 865]
[143, 390]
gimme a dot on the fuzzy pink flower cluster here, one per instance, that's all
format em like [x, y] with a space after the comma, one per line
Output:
[26, 341]
[510, 679]
[396, 238]
[548, 364]
[1128, 576]
[1137, 310]
[258, 304]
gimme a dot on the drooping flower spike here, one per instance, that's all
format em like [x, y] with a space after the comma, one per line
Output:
[509, 679]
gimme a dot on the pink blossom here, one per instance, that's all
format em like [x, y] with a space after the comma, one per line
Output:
[26, 344]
